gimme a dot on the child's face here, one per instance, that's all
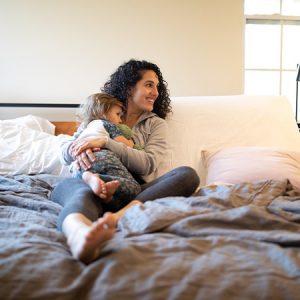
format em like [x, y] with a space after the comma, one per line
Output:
[114, 115]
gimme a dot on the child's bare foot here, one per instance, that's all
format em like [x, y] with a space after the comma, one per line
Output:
[86, 241]
[97, 185]
[111, 188]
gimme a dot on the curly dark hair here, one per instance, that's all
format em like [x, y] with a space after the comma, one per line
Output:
[126, 77]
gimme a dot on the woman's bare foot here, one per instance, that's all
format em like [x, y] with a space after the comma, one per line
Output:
[86, 240]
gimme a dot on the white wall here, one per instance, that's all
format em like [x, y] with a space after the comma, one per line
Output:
[63, 50]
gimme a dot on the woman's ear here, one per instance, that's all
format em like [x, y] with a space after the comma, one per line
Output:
[130, 92]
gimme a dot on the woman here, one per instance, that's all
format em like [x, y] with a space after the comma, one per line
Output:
[139, 85]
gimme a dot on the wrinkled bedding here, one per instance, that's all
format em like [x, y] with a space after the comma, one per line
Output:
[228, 242]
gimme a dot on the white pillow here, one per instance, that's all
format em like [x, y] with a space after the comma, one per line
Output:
[28, 151]
[33, 122]
[250, 164]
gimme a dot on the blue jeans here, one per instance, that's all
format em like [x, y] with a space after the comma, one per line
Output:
[76, 197]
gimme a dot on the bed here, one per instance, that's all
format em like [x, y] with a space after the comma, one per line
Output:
[237, 237]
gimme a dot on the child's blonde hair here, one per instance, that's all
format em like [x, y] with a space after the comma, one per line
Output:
[96, 107]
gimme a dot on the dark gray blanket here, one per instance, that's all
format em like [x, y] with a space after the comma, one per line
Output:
[230, 242]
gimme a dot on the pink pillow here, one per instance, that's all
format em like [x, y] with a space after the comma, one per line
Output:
[249, 164]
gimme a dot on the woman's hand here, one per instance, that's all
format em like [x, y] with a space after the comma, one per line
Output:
[84, 160]
[86, 143]
[82, 151]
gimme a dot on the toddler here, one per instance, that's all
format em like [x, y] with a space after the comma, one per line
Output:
[108, 177]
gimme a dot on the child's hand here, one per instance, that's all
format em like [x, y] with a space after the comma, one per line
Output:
[122, 139]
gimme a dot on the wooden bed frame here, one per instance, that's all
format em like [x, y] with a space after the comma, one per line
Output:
[67, 127]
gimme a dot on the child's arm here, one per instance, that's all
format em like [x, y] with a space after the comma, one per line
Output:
[95, 128]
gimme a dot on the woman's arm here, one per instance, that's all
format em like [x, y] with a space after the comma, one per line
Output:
[66, 157]
[84, 159]
[80, 148]
[143, 162]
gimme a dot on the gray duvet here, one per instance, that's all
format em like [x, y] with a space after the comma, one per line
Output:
[230, 242]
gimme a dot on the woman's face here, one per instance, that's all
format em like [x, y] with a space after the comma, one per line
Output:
[145, 92]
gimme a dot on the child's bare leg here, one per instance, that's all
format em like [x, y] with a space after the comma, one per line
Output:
[86, 238]
[119, 214]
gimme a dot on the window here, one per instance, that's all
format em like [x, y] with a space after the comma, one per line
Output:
[272, 47]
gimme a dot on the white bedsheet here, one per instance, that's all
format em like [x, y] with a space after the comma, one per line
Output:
[25, 148]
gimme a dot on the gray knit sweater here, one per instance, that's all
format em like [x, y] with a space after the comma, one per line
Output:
[150, 132]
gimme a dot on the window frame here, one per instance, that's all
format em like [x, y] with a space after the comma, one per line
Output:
[271, 19]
